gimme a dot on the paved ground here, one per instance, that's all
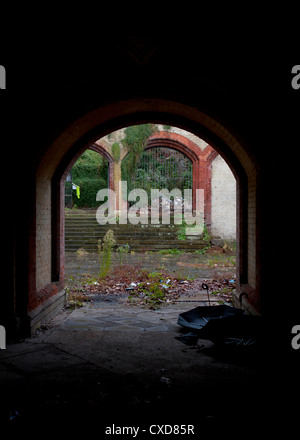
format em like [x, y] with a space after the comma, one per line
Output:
[187, 264]
[111, 363]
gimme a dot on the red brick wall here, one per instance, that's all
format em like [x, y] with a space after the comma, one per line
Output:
[201, 160]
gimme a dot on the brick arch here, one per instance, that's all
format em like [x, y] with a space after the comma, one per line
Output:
[201, 160]
[181, 144]
[198, 158]
[176, 141]
[103, 151]
[58, 198]
[91, 126]
[68, 163]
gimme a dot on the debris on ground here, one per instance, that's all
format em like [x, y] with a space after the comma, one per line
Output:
[148, 289]
[222, 287]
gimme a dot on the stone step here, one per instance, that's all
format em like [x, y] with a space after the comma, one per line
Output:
[123, 229]
[134, 244]
[119, 231]
[132, 241]
[139, 248]
[96, 236]
[90, 233]
[92, 223]
[83, 231]
[87, 213]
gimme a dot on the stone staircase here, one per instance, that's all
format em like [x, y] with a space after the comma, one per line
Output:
[83, 231]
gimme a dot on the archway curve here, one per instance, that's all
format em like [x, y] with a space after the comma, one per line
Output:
[180, 143]
[175, 141]
[198, 158]
[57, 217]
[97, 123]
[183, 145]
[65, 166]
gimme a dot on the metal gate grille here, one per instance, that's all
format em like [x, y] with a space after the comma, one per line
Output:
[161, 167]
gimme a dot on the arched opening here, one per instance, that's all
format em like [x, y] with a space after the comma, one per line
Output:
[162, 155]
[89, 174]
[161, 167]
[58, 215]
[64, 104]
[49, 255]
[47, 239]
[174, 163]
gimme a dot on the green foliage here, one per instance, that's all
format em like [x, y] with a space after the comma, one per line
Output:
[173, 251]
[105, 248]
[121, 251]
[203, 250]
[206, 235]
[90, 164]
[88, 192]
[181, 233]
[157, 168]
[135, 140]
[154, 294]
[116, 151]
[153, 291]
[90, 172]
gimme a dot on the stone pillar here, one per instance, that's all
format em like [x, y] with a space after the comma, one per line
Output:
[117, 177]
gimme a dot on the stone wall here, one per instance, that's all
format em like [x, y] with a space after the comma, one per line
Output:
[223, 200]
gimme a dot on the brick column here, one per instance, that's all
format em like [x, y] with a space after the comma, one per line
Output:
[117, 177]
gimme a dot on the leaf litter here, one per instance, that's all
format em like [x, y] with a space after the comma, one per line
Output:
[141, 287]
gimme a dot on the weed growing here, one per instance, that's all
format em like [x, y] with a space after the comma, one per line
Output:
[152, 291]
[121, 251]
[105, 248]
[151, 288]
[173, 251]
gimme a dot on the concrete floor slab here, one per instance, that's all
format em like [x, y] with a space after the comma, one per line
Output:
[125, 363]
